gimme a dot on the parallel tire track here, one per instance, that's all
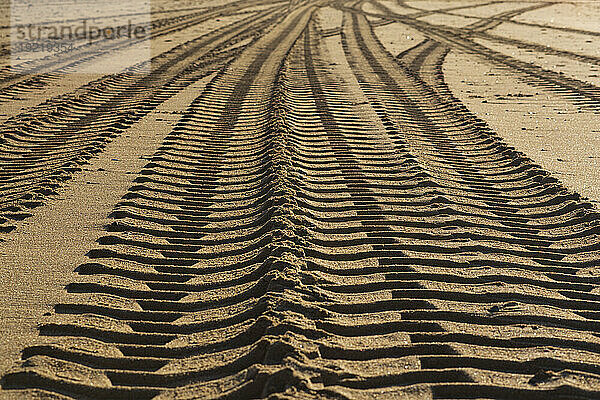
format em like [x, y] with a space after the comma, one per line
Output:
[13, 82]
[581, 93]
[336, 226]
[44, 145]
[184, 199]
[456, 156]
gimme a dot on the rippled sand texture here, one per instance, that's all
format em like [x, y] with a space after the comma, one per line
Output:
[309, 200]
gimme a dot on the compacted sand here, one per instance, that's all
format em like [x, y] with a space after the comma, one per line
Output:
[306, 200]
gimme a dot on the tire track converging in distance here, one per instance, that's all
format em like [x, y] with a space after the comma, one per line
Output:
[18, 78]
[581, 93]
[325, 221]
[44, 145]
[475, 166]
[186, 199]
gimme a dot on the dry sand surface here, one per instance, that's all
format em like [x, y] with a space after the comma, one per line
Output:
[306, 200]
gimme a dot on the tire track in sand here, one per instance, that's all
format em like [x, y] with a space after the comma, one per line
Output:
[188, 193]
[42, 147]
[523, 213]
[49, 68]
[581, 93]
[322, 223]
[504, 18]
[59, 234]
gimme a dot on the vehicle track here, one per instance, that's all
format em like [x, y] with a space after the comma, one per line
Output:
[460, 159]
[478, 30]
[12, 82]
[427, 57]
[501, 18]
[43, 146]
[188, 196]
[326, 221]
[581, 93]
[489, 23]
